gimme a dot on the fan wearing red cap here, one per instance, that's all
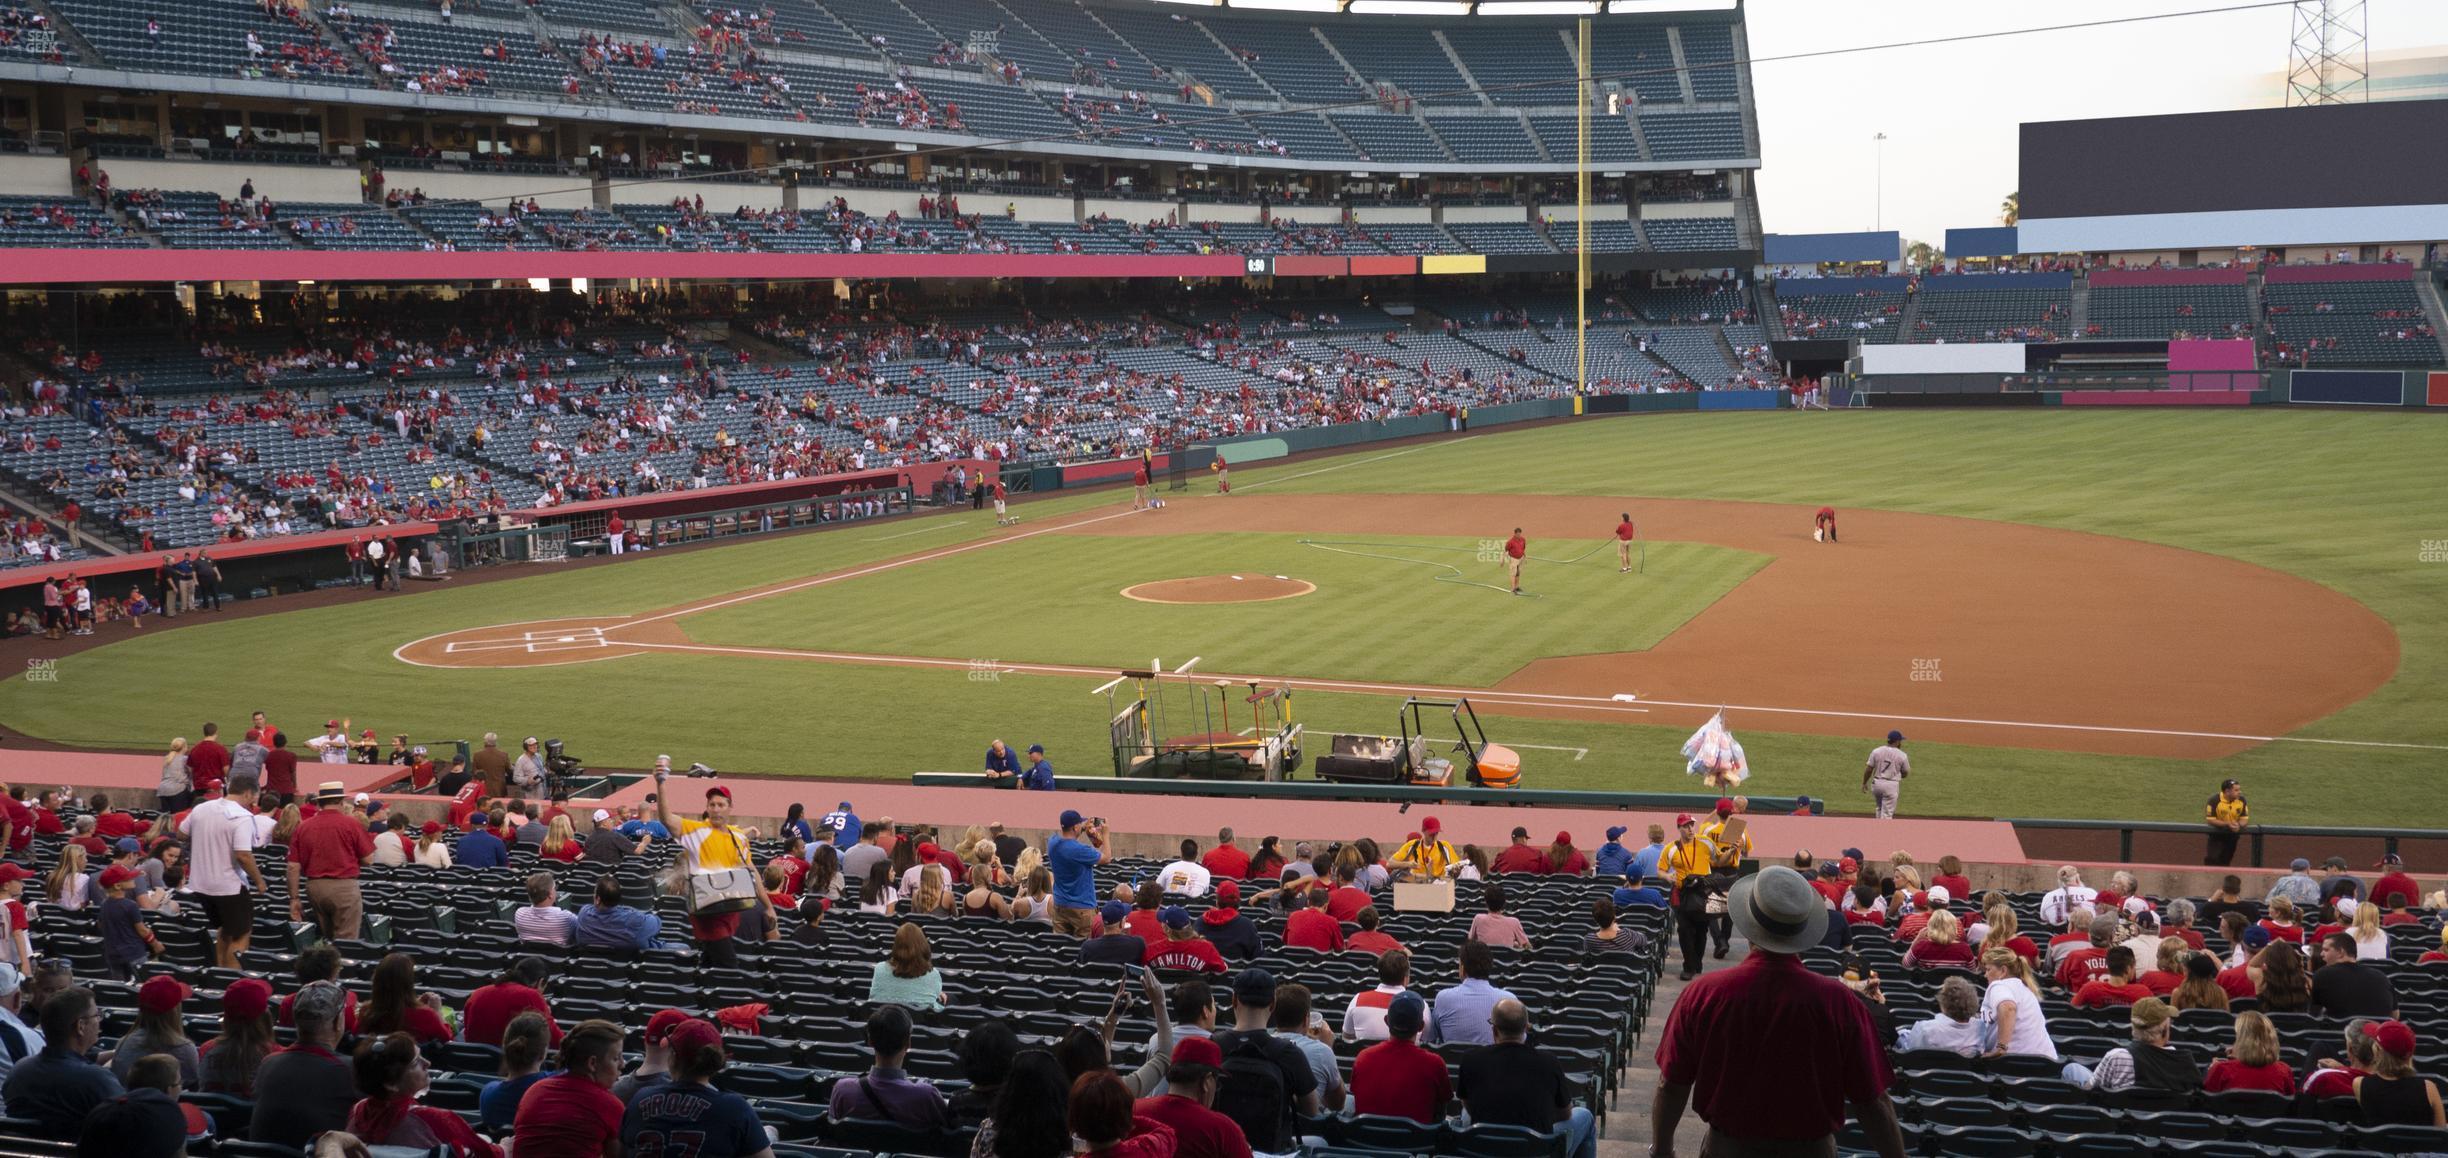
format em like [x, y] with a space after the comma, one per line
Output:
[158, 1025]
[1565, 860]
[2392, 1094]
[723, 878]
[1187, 1105]
[688, 1106]
[228, 1062]
[1686, 864]
[1223, 925]
[127, 941]
[1426, 857]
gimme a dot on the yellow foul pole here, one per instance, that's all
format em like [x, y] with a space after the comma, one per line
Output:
[1581, 200]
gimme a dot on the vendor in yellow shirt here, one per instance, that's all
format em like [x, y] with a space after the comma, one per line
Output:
[711, 845]
[1727, 858]
[1728, 855]
[1425, 857]
[1686, 863]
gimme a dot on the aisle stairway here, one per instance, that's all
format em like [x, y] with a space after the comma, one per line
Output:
[1627, 1127]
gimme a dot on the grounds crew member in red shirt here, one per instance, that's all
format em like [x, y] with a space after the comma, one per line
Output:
[616, 532]
[1623, 544]
[1516, 548]
[1139, 487]
[1002, 514]
[328, 850]
[1823, 524]
[1768, 1053]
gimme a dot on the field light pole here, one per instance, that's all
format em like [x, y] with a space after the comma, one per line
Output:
[1878, 198]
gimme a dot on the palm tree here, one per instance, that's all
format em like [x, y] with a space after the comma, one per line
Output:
[2011, 211]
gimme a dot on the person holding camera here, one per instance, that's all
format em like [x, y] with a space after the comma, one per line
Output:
[1074, 856]
[715, 858]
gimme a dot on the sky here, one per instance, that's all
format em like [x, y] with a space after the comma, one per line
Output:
[1951, 111]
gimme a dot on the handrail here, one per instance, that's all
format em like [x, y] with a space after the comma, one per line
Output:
[2125, 830]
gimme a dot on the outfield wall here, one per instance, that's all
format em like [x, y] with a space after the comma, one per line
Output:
[2417, 388]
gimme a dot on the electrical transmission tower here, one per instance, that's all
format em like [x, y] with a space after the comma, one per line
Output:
[2330, 60]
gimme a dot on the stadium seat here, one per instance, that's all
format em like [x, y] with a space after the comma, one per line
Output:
[1390, 1134]
[1982, 1141]
[1496, 1141]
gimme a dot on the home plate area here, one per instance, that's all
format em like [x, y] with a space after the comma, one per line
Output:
[536, 642]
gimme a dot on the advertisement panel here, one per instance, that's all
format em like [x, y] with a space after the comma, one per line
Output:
[1950, 358]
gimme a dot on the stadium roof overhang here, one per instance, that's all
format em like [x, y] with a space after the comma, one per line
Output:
[173, 266]
[887, 142]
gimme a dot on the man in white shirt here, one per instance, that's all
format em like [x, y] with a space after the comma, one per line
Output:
[222, 837]
[542, 919]
[1185, 877]
[2070, 891]
[1365, 1018]
[332, 747]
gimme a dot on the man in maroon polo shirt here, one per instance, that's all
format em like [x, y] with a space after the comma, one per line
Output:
[1187, 1105]
[208, 762]
[1768, 1053]
[328, 850]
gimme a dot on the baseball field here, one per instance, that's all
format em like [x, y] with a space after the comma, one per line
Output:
[2071, 613]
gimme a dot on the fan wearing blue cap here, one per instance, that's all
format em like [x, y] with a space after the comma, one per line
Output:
[1182, 947]
[1040, 774]
[1073, 857]
[844, 826]
[1116, 945]
[1614, 860]
[1883, 777]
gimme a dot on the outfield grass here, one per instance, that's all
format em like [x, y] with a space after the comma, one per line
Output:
[1383, 616]
[2345, 499]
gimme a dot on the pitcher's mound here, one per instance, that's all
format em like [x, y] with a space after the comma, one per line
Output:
[1220, 589]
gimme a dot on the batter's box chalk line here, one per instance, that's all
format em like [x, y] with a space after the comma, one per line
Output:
[563, 634]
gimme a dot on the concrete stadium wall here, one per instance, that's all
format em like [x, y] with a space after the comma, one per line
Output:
[1029, 208]
[1394, 215]
[1139, 212]
[1567, 211]
[557, 192]
[22, 176]
[1686, 210]
[720, 197]
[1471, 214]
[1225, 214]
[278, 182]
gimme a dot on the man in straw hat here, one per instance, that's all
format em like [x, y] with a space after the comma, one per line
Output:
[1768, 1053]
[329, 850]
